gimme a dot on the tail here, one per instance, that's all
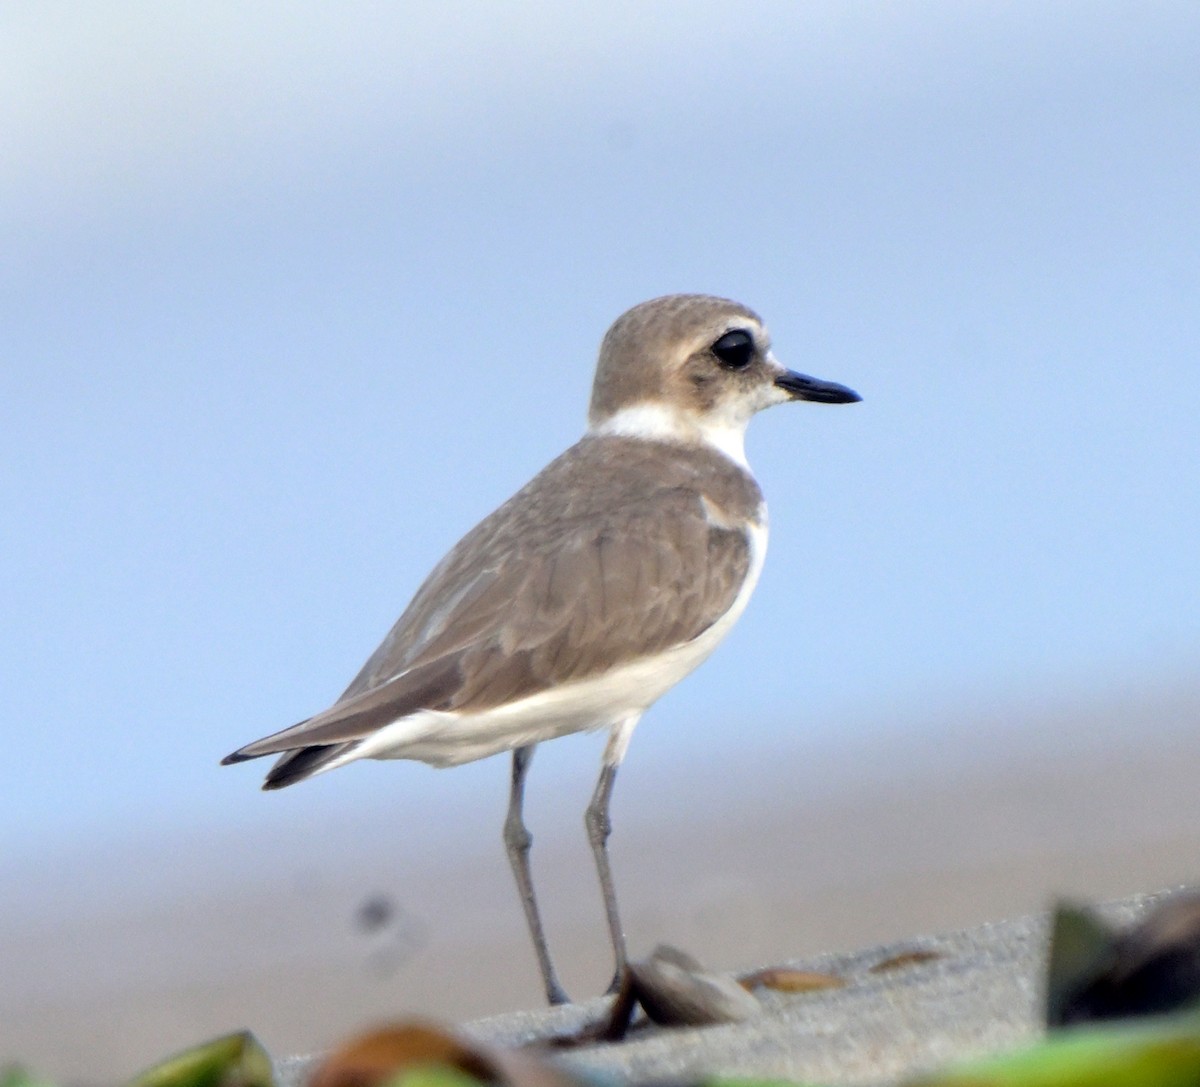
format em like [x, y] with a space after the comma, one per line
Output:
[301, 763]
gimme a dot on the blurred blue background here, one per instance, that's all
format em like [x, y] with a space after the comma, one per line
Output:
[294, 294]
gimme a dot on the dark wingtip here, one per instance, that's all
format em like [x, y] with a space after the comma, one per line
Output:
[237, 756]
[301, 763]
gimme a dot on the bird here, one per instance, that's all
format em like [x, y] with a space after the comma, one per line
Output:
[591, 592]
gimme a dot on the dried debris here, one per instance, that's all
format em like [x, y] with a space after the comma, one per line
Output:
[1096, 972]
[916, 957]
[783, 979]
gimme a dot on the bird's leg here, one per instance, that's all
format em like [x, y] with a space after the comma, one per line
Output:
[517, 840]
[599, 826]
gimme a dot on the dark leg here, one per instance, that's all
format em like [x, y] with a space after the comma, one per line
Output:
[517, 841]
[599, 826]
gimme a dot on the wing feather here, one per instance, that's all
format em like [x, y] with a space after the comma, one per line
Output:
[596, 563]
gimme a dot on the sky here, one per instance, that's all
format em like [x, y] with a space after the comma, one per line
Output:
[292, 296]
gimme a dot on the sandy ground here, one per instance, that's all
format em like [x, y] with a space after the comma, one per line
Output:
[741, 865]
[980, 994]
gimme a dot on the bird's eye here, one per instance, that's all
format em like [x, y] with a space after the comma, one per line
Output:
[734, 350]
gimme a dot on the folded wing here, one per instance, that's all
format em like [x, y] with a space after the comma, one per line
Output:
[536, 598]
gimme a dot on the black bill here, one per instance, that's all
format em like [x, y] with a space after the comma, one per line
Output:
[803, 387]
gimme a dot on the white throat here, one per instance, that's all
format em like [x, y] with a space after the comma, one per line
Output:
[660, 423]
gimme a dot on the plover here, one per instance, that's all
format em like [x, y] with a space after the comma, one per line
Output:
[588, 594]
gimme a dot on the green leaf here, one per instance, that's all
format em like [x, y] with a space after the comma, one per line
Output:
[13, 1075]
[433, 1075]
[1161, 1052]
[237, 1060]
[1081, 948]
